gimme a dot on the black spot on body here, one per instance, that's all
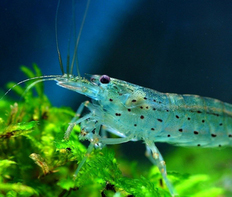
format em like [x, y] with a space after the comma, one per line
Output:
[141, 107]
[180, 130]
[199, 112]
[213, 135]
[189, 118]
[203, 121]
[169, 135]
[145, 98]
[177, 116]
[213, 114]
[152, 129]
[117, 114]
[133, 101]
[154, 108]
[198, 145]
[135, 125]
[128, 110]
[220, 124]
[110, 100]
[142, 117]
[230, 135]
[160, 120]
[195, 132]
[146, 107]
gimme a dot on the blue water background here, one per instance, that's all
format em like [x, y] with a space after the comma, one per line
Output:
[171, 46]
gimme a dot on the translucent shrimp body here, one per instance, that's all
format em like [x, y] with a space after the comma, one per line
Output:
[136, 113]
[187, 120]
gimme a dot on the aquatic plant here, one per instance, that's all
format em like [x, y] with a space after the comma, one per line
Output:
[35, 160]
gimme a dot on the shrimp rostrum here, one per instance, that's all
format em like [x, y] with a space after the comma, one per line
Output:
[134, 113]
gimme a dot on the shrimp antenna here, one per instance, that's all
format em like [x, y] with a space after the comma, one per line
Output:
[43, 78]
[74, 28]
[57, 45]
[38, 81]
[77, 41]
[69, 39]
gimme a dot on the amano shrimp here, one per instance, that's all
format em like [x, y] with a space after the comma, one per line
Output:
[133, 112]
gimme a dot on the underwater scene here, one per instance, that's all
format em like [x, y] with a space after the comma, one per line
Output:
[181, 47]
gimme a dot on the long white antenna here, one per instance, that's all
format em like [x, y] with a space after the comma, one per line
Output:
[77, 41]
[43, 78]
[57, 45]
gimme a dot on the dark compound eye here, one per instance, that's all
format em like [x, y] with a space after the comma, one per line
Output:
[104, 79]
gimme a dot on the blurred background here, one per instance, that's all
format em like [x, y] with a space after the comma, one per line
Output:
[171, 46]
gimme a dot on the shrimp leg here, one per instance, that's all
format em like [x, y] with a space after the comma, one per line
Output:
[156, 158]
[107, 141]
[97, 139]
[90, 148]
[76, 119]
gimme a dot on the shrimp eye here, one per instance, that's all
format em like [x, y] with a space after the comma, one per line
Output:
[104, 79]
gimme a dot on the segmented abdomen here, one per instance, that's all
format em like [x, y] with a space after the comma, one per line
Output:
[191, 120]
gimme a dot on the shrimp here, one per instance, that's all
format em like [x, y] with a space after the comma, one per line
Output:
[133, 112]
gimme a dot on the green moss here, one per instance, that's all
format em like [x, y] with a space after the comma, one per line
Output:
[35, 160]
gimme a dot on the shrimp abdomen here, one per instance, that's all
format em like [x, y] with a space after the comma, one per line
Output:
[199, 121]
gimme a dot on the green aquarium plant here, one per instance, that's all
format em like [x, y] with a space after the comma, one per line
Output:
[35, 160]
